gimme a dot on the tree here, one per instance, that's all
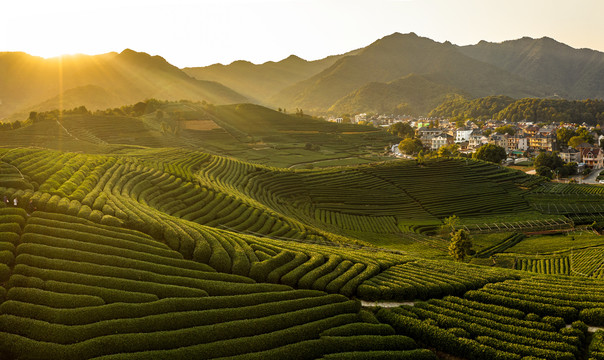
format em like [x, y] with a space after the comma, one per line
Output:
[544, 171]
[564, 134]
[460, 245]
[575, 141]
[420, 158]
[507, 129]
[410, 146]
[490, 152]
[448, 150]
[402, 130]
[585, 134]
[567, 169]
[33, 116]
[550, 160]
[447, 229]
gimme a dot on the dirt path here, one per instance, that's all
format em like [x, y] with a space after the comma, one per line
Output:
[386, 304]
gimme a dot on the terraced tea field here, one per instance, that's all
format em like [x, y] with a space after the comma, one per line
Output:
[159, 252]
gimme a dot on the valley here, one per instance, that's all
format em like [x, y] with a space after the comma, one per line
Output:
[152, 212]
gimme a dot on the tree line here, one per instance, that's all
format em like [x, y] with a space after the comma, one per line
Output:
[530, 109]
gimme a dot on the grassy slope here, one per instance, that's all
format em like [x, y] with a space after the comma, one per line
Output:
[246, 131]
[411, 94]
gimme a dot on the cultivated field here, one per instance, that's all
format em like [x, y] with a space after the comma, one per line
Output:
[130, 247]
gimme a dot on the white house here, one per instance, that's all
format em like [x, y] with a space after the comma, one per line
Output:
[462, 134]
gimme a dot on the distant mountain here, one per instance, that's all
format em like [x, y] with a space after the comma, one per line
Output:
[412, 95]
[570, 73]
[397, 73]
[399, 55]
[264, 80]
[128, 77]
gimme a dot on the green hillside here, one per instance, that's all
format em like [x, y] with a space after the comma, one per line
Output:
[245, 131]
[530, 109]
[412, 95]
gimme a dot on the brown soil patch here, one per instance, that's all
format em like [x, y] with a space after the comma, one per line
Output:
[203, 125]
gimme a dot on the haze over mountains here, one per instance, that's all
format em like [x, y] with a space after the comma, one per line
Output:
[400, 73]
[98, 82]
[377, 77]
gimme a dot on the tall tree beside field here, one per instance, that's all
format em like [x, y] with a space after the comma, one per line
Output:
[460, 245]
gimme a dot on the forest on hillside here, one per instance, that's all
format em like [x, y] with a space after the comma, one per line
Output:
[530, 109]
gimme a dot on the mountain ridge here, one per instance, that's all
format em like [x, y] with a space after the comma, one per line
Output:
[398, 55]
[131, 76]
[525, 67]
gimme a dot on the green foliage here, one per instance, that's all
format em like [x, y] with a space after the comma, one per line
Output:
[530, 109]
[593, 316]
[461, 245]
[596, 348]
[490, 152]
[173, 242]
[402, 130]
[549, 160]
[448, 150]
[482, 108]
[506, 129]
[410, 146]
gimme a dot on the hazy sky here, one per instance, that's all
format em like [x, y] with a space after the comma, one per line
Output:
[203, 32]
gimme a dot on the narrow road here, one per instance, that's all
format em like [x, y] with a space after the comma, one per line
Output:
[591, 178]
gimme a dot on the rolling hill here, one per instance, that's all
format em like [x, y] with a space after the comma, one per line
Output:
[412, 94]
[246, 131]
[33, 83]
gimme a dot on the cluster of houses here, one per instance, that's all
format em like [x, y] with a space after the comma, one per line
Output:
[528, 139]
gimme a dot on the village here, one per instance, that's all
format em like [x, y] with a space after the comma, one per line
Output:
[522, 141]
